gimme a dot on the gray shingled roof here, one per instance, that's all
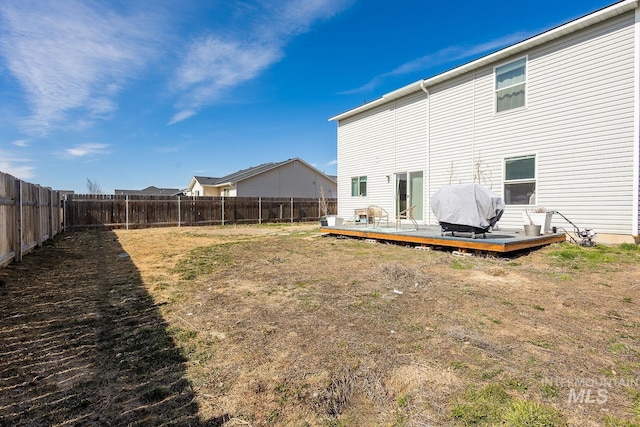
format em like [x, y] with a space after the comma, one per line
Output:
[248, 173]
[150, 191]
[206, 180]
[242, 174]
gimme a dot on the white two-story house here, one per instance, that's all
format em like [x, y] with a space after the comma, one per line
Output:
[552, 121]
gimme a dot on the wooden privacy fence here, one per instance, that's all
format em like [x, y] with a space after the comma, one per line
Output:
[29, 215]
[128, 211]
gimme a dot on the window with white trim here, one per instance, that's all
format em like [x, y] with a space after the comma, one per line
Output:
[511, 81]
[520, 180]
[359, 186]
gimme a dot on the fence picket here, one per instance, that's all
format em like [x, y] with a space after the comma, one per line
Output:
[29, 215]
[84, 211]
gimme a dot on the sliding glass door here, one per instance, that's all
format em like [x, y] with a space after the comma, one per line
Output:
[410, 192]
[416, 194]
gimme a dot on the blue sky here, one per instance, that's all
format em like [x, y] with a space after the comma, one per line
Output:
[133, 93]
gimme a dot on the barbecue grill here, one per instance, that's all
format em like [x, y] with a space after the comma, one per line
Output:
[466, 208]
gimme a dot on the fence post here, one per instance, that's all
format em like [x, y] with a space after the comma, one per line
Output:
[17, 238]
[64, 213]
[38, 217]
[126, 210]
[68, 209]
[50, 213]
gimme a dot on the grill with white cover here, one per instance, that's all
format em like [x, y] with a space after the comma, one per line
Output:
[468, 208]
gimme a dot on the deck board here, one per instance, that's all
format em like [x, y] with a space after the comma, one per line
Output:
[499, 241]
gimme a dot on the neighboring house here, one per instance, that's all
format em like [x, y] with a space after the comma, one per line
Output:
[552, 121]
[290, 178]
[150, 191]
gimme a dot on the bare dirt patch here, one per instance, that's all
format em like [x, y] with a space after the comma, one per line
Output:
[277, 325]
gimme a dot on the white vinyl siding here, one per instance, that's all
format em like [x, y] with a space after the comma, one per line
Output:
[451, 136]
[580, 102]
[579, 121]
[378, 144]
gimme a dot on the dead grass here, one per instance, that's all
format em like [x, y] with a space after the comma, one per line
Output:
[278, 325]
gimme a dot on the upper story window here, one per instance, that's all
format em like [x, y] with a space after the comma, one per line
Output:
[520, 180]
[511, 81]
[359, 186]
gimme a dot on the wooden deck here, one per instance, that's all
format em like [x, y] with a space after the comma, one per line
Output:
[499, 241]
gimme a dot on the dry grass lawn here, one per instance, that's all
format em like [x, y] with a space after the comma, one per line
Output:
[279, 325]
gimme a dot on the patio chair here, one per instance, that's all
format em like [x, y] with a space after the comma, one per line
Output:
[375, 214]
[406, 214]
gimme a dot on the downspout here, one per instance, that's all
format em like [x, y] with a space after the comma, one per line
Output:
[427, 191]
[395, 196]
[473, 133]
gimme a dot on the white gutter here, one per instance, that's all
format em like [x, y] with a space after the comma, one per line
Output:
[553, 34]
[398, 93]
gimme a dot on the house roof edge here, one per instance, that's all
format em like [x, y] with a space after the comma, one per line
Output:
[577, 24]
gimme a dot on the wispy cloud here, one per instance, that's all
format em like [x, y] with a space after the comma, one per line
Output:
[180, 116]
[71, 56]
[332, 162]
[84, 150]
[214, 63]
[443, 56]
[20, 143]
[16, 166]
